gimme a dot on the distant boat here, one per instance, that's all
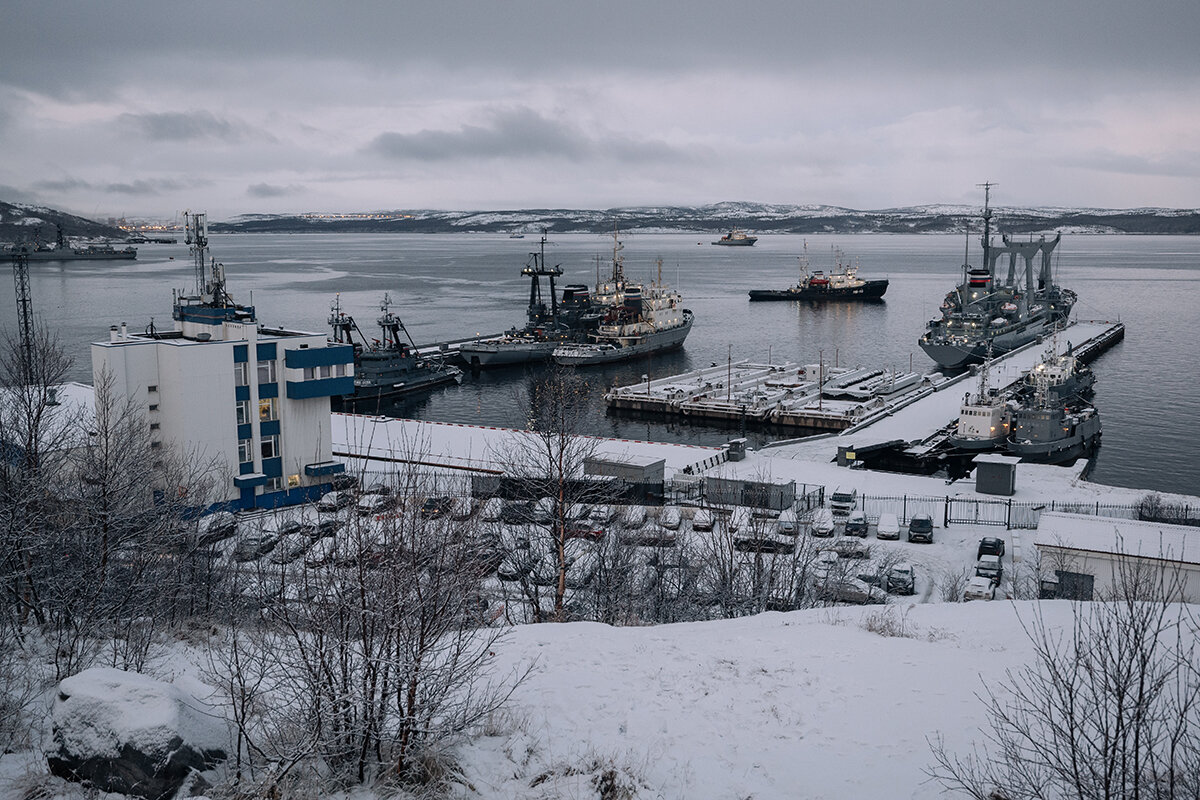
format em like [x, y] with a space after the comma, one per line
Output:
[63, 251]
[841, 284]
[736, 238]
[516, 235]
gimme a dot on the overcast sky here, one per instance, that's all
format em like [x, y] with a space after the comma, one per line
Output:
[241, 106]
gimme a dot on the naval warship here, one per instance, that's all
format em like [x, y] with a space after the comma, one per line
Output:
[986, 310]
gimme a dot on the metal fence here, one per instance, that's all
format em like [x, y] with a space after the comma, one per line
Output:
[1021, 515]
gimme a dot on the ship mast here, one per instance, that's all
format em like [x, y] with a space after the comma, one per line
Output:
[987, 226]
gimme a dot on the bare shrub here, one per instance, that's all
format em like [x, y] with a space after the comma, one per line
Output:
[888, 621]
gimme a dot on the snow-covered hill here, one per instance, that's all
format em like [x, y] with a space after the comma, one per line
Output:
[757, 217]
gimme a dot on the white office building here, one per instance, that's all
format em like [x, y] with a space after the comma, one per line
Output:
[253, 401]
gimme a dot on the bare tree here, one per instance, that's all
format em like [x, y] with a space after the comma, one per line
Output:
[359, 667]
[548, 462]
[1108, 708]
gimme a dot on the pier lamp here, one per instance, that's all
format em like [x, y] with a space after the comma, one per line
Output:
[646, 378]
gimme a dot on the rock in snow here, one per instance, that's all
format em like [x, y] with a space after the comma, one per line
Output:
[129, 733]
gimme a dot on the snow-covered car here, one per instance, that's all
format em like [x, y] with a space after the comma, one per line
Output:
[252, 548]
[579, 512]
[702, 520]
[332, 501]
[920, 529]
[990, 545]
[850, 590]
[461, 508]
[290, 547]
[822, 522]
[788, 522]
[856, 524]
[491, 509]
[849, 547]
[369, 504]
[979, 589]
[888, 526]
[670, 518]
[901, 579]
[217, 527]
[633, 517]
[824, 564]
[543, 509]
[989, 567]
[603, 513]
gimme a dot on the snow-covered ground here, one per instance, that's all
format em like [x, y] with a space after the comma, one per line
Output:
[806, 704]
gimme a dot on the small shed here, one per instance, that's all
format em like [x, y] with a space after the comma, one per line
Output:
[630, 467]
[996, 474]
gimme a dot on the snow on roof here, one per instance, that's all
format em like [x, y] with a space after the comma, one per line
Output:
[996, 458]
[481, 447]
[1118, 537]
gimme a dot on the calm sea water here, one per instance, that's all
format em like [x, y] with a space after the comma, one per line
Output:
[450, 286]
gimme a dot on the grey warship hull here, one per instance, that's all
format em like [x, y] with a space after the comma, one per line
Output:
[587, 355]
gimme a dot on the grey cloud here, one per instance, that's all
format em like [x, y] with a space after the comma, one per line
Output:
[1181, 164]
[177, 126]
[151, 186]
[62, 185]
[271, 190]
[520, 132]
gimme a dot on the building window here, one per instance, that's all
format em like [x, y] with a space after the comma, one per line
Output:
[325, 371]
[293, 481]
[310, 373]
[154, 426]
[266, 372]
[245, 450]
[243, 412]
[154, 406]
[275, 484]
[266, 410]
[155, 445]
[341, 370]
[241, 374]
[152, 388]
[270, 446]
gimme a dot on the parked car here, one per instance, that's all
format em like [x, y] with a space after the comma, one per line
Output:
[888, 526]
[252, 548]
[461, 508]
[702, 520]
[517, 512]
[369, 504]
[901, 579]
[822, 522]
[322, 552]
[788, 522]
[435, 507]
[824, 563]
[670, 518]
[856, 524]
[920, 529]
[217, 527]
[344, 483]
[603, 513]
[332, 501]
[843, 501]
[543, 509]
[989, 567]
[633, 517]
[327, 527]
[491, 509]
[849, 547]
[579, 511]
[979, 589]
[377, 487]
[990, 546]
[741, 519]
[850, 590]
[290, 547]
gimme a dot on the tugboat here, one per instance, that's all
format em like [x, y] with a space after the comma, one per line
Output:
[545, 328]
[389, 368]
[736, 238]
[841, 284]
[1050, 431]
[1067, 381]
[983, 312]
[983, 418]
[639, 320]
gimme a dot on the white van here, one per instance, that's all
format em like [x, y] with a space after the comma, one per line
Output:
[888, 527]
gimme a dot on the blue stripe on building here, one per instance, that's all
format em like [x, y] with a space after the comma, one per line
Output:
[318, 357]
